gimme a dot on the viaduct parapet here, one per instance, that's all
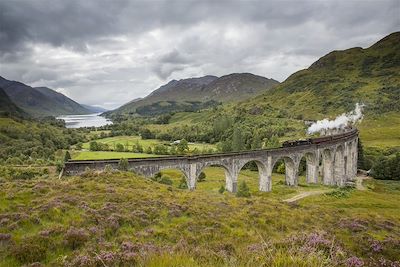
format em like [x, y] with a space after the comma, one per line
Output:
[334, 157]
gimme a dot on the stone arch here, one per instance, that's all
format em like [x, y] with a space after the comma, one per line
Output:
[264, 174]
[182, 171]
[230, 177]
[291, 169]
[327, 163]
[340, 166]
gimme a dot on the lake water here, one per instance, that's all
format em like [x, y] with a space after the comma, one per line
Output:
[89, 120]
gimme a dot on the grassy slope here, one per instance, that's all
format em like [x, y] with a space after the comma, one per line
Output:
[337, 81]
[165, 226]
[381, 131]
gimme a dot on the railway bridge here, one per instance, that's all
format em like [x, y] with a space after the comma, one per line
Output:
[334, 158]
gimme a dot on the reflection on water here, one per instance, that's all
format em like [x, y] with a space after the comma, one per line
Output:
[89, 120]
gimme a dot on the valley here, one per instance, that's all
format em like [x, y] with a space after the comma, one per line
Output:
[227, 189]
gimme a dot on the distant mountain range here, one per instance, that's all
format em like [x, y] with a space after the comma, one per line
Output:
[94, 109]
[39, 101]
[193, 91]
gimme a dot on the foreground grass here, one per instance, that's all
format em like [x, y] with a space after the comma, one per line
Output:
[120, 219]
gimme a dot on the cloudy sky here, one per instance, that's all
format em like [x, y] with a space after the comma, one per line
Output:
[109, 52]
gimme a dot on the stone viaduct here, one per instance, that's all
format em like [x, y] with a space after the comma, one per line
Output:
[334, 158]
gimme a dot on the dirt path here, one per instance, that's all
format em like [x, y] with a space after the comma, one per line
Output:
[359, 186]
[359, 180]
[306, 194]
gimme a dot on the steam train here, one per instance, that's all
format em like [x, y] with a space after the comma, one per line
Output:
[319, 140]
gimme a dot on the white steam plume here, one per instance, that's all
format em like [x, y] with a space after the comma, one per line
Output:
[346, 119]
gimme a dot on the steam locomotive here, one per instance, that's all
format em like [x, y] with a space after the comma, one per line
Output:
[319, 140]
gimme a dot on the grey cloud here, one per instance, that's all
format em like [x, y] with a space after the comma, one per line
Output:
[104, 52]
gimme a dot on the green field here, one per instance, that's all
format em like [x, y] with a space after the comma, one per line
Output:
[381, 131]
[87, 155]
[131, 140]
[120, 219]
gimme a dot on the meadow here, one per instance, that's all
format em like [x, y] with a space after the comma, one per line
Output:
[121, 219]
[128, 141]
[89, 155]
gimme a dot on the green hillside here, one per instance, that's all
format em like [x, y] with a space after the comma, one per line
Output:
[40, 101]
[337, 81]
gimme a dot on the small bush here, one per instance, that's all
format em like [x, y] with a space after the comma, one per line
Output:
[119, 147]
[183, 183]
[243, 190]
[165, 179]
[123, 165]
[156, 177]
[76, 237]
[29, 250]
[387, 168]
[341, 192]
[202, 177]
[59, 166]
[221, 189]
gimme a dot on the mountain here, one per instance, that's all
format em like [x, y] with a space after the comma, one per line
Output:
[94, 109]
[40, 101]
[331, 86]
[208, 89]
[338, 80]
[8, 108]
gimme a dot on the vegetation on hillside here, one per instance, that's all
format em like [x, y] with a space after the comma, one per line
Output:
[120, 219]
[34, 142]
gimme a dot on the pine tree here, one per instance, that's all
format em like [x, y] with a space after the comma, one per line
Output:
[237, 140]
[243, 190]
[256, 142]
[67, 156]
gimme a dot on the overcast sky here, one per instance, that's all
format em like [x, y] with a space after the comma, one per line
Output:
[109, 52]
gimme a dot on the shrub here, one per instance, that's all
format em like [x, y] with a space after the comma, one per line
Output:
[14, 161]
[149, 150]
[387, 168]
[183, 183]
[93, 146]
[31, 249]
[221, 189]
[202, 177]
[119, 147]
[78, 146]
[341, 192]
[165, 179]
[123, 164]
[59, 166]
[76, 237]
[67, 156]
[156, 177]
[281, 168]
[243, 190]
